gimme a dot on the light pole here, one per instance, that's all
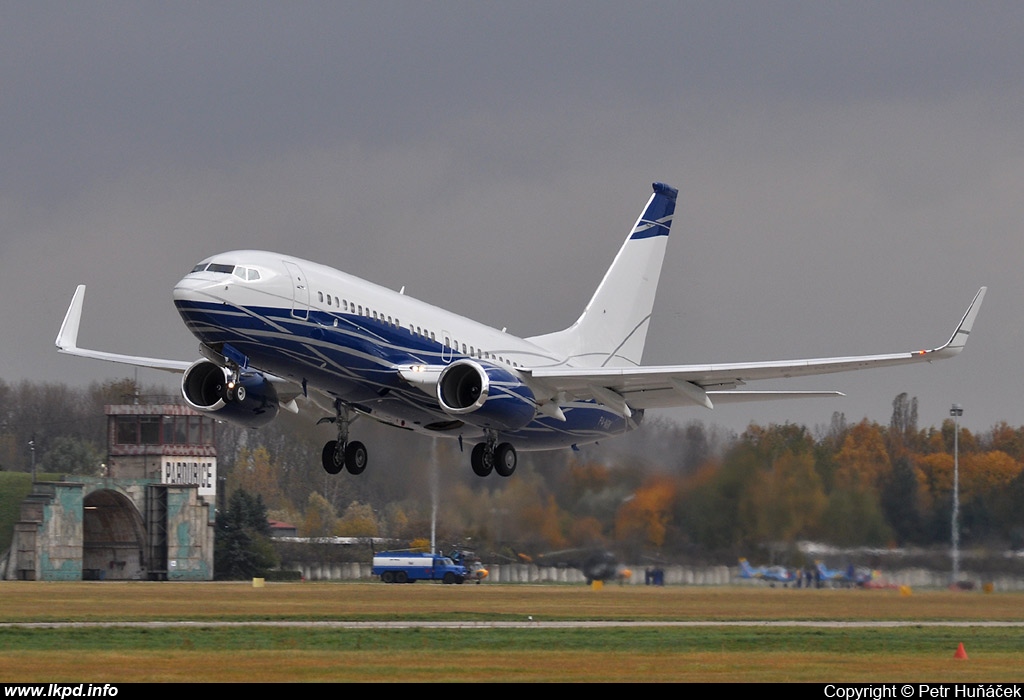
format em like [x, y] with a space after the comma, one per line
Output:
[32, 449]
[956, 411]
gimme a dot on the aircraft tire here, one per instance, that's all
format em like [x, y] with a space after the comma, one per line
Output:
[481, 465]
[355, 457]
[330, 456]
[505, 459]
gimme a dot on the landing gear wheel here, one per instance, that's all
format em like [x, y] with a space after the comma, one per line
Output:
[482, 462]
[355, 457]
[341, 453]
[332, 458]
[505, 459]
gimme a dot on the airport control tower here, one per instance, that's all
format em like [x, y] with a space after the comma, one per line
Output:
[150, 516]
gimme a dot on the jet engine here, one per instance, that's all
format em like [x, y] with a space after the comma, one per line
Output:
[488, 396]
[251, 401]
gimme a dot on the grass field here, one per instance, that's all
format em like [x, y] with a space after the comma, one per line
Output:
[292, 650]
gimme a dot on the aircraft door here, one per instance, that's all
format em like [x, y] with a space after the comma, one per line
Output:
[446, 346]
[300, 291]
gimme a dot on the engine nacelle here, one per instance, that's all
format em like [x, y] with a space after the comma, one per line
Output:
[488, 396]
[251, 402]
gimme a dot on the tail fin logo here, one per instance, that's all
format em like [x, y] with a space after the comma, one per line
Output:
[650, 229]
[657, 218]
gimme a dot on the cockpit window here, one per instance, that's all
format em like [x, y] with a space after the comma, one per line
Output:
[245, 273]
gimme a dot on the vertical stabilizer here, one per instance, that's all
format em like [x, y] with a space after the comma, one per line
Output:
[613, 328]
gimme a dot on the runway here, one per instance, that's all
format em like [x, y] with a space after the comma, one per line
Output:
[524, 624]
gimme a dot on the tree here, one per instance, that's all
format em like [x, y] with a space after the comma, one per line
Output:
[902, 502]
[903, 423]
[785, 503]
[256, 473]
[863, 460]
[984, 477]
[242, 546]
[643, 519]
[71, 455]
[709, 508]
[320, 517]
[358, 520]
[854, 517]
[1008, 440]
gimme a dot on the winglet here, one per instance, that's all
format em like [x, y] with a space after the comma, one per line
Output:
[959, 338]
[67, 338]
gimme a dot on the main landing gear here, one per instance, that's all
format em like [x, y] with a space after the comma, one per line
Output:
[486, 457]
[341, 454]
[492, 455]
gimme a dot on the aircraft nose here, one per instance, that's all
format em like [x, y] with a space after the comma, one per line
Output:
[185, 289]
[191, 288]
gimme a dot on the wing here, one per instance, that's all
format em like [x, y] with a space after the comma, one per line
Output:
[623, 388]
[67, 342]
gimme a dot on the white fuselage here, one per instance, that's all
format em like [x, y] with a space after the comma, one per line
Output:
[348, 338]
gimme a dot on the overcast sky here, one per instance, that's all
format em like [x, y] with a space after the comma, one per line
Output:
[850, 174]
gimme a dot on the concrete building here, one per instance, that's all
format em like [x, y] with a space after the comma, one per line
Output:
[149, 516]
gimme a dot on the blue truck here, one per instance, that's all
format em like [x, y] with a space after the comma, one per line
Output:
[409, 567]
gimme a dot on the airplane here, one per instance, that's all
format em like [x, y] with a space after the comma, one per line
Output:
[851, 576]
[775, 574]
[273, 328]
[594, 564]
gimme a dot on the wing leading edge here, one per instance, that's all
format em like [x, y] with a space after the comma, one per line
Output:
[623, 388]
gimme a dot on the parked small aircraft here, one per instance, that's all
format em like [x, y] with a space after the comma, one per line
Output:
[851, 576]
[774, 574]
